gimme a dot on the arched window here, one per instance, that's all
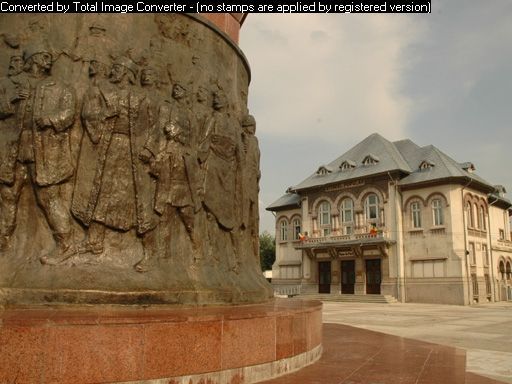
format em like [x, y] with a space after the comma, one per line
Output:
[469, 215]
[437, 212]
[347, 215]
[283, 230]
[371, 207]
[508, 270]
[416, 214]
[474, 211]
[502, 270]
[296, 229]
[324, 214]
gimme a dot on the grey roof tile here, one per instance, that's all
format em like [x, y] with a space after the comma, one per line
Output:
[287, 200]
[403, 155]
[383, 151]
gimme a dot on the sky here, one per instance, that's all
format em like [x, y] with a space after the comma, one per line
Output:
[321, 83]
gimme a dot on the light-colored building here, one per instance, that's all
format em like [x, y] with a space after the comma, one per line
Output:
[394, 218]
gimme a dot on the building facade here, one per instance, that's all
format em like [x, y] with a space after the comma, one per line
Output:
[396, 219]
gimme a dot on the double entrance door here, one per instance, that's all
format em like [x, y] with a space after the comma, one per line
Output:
[373, 276]
[348, 276]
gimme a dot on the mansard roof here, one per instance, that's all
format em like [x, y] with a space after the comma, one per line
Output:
[288, 200]
[402, 156]
[387, 158]
[445, 167]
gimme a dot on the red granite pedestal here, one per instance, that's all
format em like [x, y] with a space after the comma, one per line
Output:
[207, 345]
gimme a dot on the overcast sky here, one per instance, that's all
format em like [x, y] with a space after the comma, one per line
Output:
[321, 83]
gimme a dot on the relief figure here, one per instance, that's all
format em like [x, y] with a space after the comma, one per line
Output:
[250, 180]
[96, 123]
[219, 154]
[177, 168]
[45, 110]
[12, 173]
[118, 198]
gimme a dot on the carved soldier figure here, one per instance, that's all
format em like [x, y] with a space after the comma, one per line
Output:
[12, 173]
[45, 110]
[220, 158]
[176, 169]
[150, 87]
[251, 178]
[203, 111]
[120, 198]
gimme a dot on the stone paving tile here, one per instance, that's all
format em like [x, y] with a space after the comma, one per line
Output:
[358, 356]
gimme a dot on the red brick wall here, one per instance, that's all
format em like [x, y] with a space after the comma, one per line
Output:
[230, 23]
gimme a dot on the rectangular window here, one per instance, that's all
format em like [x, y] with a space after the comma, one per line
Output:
[296, 229]
[416, 215]
[472, 255]
[485, 255]
[372, 207]
[348, 230]
[326, 231]
[502, 234]
[437, 212]
[284, 231]
[474, 282]
[487, 285]
[325, 218]
[347, 216]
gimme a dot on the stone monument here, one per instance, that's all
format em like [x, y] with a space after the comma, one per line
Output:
[129, 177]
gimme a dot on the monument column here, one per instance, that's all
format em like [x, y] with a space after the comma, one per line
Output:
[129, 170]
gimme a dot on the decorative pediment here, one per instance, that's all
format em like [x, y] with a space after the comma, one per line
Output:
[425, 164]
[347, 165]
[323, 170]
[370, 159]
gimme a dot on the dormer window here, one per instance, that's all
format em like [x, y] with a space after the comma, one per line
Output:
[347, 165]
[425, 164]
[370, 160]
[469, 167]
[323, 170]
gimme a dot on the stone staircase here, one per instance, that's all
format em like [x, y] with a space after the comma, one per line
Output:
[336, 297]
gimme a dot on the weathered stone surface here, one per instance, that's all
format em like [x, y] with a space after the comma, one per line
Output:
[128, 163]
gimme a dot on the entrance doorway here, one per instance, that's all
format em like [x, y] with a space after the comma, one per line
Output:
[324, 277]
[348, 276]
[373, 276]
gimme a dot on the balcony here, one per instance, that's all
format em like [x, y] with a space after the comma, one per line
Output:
[346, 245]
[357, 237]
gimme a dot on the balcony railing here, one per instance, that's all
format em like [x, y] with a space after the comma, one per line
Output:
[342, 238]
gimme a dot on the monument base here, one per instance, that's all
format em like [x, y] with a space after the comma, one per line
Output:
[242, 344]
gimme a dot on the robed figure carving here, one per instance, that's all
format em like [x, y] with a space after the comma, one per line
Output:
[121, 196]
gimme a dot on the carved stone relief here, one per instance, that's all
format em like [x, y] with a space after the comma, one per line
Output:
[129, 165]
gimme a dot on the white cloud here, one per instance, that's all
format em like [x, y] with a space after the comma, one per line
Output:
[322, 83]
[316, 74]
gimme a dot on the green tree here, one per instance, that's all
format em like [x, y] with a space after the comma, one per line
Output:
[267, 250]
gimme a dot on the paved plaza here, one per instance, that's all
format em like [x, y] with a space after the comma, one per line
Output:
[484, 331]
[411, 344]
